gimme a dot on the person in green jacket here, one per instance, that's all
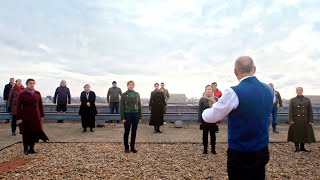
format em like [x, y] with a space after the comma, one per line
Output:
[301, 121]
[131, 114]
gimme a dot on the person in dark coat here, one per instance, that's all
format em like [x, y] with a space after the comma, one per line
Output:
[301, 121]
[206, 102]
[61, 98]
[158, 107]
[88, 110]
[12, 103]
[6, 93]
[30, 114]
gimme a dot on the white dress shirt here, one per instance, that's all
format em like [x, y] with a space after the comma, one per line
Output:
[228, 102]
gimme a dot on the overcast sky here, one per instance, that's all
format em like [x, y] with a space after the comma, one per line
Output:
[186, 44]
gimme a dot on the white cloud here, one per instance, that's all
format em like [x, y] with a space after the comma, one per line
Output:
[186, 44]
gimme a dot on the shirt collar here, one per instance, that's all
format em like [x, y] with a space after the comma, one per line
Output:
[245, 78]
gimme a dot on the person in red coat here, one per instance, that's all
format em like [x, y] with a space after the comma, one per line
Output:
[30, 114]
[216, 92]
[12, 102]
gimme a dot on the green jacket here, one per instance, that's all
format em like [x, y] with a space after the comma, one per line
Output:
[300, 112]
[130, 103]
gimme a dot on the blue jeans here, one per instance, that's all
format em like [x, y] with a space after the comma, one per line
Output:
[114, 106]
[274, 117]
[132, 119]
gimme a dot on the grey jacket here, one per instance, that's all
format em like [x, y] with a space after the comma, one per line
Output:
[114, 94]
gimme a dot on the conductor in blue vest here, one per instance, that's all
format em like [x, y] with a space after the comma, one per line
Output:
[248, 106]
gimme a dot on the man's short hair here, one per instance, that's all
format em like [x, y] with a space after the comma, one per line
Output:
[162, 83]
[29, 80]
[244, 68]
[214, 83]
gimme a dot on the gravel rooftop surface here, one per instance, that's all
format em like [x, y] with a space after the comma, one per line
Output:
[153, 161]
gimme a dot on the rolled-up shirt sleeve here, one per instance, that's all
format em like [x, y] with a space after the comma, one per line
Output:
[228, 102]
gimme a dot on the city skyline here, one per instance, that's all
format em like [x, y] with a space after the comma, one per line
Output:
[186, 44]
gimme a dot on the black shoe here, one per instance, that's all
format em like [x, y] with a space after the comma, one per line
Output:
[275, 131]
[25, 151]
[304, 150]
[91, 130]
[159, 131]
[84, 130]
[31, 151]
[7, 121]
[13, 134]
[134, 150]
[155, 131]
[127, 151]
[213, 152]
[205, 152]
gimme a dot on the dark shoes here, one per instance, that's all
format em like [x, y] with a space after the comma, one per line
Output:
[134, 150]
[85, 130]
[304, 150]
[31, 151]
[60, 121]
[7, 121]
[27, 151]
[205, 152]
[275, 131]
[213, 151]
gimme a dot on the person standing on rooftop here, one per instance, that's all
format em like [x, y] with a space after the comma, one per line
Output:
[248, 106]
[62, 97]
[6, 92]
[113, 98]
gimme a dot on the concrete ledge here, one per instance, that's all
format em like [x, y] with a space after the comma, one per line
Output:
[282, 117]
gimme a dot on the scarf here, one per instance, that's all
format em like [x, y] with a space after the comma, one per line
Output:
[87, 94]
[28, 90]
[210, 99]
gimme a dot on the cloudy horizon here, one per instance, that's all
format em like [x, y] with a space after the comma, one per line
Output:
[186, 44]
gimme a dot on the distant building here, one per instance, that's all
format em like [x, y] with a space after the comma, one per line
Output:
[178, 99]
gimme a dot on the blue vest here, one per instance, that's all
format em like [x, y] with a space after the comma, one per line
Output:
[248, 124]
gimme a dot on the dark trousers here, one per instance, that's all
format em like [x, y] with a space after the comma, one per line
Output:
[205, 135]
[274, 117]
[28, 141]
[7, 110]
[14, 123]
[297, 145]
[132, 120]
[114, 106]
[247, 165]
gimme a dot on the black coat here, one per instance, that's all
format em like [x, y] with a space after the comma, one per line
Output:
[6, 92]
[88, 113]
[63, 95]
[158, 106]
[203, 105]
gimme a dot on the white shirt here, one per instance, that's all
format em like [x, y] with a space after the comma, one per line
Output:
[228, 102]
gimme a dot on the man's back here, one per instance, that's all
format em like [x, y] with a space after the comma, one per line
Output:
[248, 124]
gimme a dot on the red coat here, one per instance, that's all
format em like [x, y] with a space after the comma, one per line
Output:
[30, 111]
[12, 102]
[217, 93]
